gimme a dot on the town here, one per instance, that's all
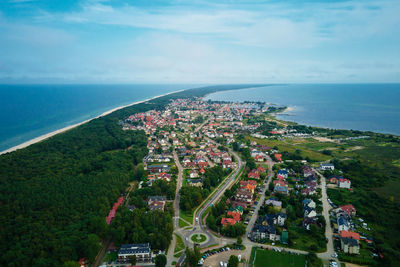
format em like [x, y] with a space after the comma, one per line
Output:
[230, 197]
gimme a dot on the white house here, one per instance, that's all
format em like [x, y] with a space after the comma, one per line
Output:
[344, 183]
[327, 166]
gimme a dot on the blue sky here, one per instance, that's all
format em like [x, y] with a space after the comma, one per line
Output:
[200, 41]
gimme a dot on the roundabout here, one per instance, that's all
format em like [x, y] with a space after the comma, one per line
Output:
[198, 238]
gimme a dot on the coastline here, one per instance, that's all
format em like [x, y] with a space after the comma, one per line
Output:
[53, 133]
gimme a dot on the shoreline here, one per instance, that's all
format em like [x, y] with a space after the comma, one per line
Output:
[62, 130]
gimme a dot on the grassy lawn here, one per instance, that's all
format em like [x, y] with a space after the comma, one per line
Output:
[179, 244]
[182, 223]
[269, 258]
[198, 238]
[177, 255]
[186, 216]
[391, 189]
[305, 240]
[289, 146]
[111, 256]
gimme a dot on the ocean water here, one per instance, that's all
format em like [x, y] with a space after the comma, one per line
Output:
[29, 111]
[371, 107]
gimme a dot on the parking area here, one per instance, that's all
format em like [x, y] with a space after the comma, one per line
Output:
[214, 260]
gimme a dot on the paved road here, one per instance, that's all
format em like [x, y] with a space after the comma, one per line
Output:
[178, 187]
[106, 243]
[170, 255]
[198, 226]
[253, 219]
[326, 256]
[227, 184]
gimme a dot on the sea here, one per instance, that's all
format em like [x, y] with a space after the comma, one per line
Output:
[367, 107]
[29, 111]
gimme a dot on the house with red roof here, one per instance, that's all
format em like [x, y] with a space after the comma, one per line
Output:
[227, 164]
[278, 157]
[254, 174]
[82, 262]
[235, 215]
[349, 209]
[202, 164]
[280, 182]
[349, 242]
[228, 221]
[259, 158]
[350, 234]
[261, 169]
[344, 183]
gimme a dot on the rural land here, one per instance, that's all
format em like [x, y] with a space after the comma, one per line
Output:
[181, 181]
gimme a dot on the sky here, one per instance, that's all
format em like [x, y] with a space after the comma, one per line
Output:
[199, 41]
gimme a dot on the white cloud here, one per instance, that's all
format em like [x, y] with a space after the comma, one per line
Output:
[313, 42]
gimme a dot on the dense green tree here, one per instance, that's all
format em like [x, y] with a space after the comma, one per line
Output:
[71, 264]
[192, 256]
[132, 260]
[160, 260]
[233, 261]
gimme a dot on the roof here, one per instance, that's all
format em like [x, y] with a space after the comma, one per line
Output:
[226, 221]
[157, 198]
[136, 245]
[284, 236]
[349, 241]
[235, 215]
[327, 164]
[281, 188]
[348, 208]
[350, 234]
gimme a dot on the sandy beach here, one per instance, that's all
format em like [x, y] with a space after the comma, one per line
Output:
[288, 109]
[48, 135]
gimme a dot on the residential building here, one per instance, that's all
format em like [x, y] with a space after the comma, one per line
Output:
[141, 251]
[327, 166]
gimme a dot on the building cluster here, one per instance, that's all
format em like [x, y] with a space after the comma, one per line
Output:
[265, 226]
[349, 239]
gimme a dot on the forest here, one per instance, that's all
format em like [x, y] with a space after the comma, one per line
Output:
[55, 194]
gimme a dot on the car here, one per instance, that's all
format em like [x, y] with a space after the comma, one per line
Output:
[334, 255]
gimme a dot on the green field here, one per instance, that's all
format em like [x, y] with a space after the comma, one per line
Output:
[182, 223]
[270, 258]
[187, 216]
[290, 145]
[179, 246]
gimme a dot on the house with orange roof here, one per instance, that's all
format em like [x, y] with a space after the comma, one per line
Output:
[228, 221]
[350, 234]
[235, 215]
[278, 157]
